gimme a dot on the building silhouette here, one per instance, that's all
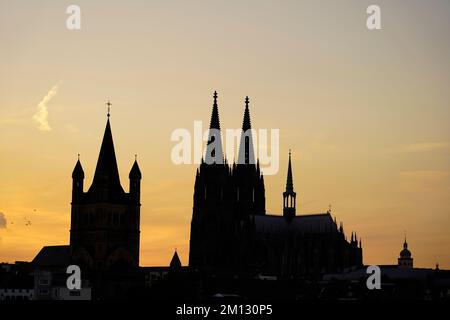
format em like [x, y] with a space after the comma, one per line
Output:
[405, 260]
[237, 249]
[105, 221]
[231, 231]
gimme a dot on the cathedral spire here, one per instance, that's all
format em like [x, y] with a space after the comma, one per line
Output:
[215, 123]
[289, 196]
[289, 183]
[214, 153]
[246, 151]
[246, 123]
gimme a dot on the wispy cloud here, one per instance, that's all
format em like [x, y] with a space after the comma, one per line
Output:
[2, 221]
[41, 115]
[426, 146]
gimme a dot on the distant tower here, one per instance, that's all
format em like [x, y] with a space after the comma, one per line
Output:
[289, 196]
[405, 261]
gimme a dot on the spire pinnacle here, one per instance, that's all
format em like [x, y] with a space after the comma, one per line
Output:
[109, 104]
[289, 182]
[214, 152]
[289, 196]
[246, 123]
[106, 176]
[246, 150]
[215, 123]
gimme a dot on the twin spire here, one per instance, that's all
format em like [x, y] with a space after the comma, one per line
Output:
[214, 152]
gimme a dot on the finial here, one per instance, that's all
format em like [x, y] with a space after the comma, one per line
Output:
[135, 157]
[78, 157]
[247, 100]
[215, 95]
[109, 104]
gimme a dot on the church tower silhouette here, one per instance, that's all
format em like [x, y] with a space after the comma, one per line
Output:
[105, 220]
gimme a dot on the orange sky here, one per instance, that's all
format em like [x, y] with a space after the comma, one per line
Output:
[365, 112]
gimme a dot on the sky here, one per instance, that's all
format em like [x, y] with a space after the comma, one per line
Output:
[366, 113]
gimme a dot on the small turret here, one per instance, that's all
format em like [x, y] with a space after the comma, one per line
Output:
[77, 181]
[135, 181]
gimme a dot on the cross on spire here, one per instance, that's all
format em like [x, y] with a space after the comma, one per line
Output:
[109, 104]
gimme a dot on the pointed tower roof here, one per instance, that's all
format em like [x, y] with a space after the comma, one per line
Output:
[78, 170]
[246, 151]
[215, 123]
[106, 175]
[246, 123]
[289, 182]
[405, 253]
[135, 172]
[214, 153]
[175, 263]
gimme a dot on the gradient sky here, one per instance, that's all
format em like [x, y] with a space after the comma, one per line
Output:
[366, 113]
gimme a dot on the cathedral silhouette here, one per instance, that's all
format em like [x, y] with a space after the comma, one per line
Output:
[236, 249]
[232, 233]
